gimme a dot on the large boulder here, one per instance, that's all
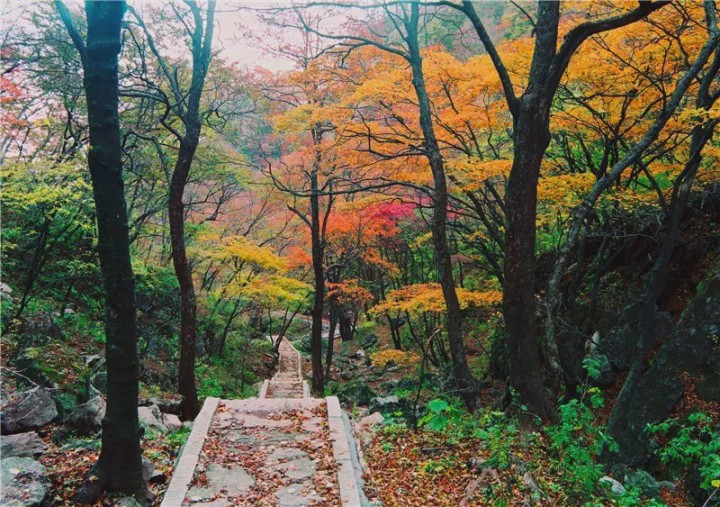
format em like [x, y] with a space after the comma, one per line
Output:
[708, 389]
[620, 343]
[31, 410]
[22, 445]
[355, 393]
[5, 292]
[25, 483]
[152, 419]
[87, 418]
[57, 365]
[166, 405]
[662, 385]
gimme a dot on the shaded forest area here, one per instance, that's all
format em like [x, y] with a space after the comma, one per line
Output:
[492, 230]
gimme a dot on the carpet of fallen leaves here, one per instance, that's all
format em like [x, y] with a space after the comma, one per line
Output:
[68, 465]
[423, 469]
[426, 469]
[251, 457]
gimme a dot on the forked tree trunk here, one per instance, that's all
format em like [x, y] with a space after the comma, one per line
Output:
[119, 466]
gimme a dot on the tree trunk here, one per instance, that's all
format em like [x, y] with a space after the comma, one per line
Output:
[188, 312]
[318, 383]
[531, 138]
[119, 466]
[467, 386]
[331, 345]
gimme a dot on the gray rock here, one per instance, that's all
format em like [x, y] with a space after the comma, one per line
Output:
[478, 464]
[529, 482]
[366, 426]
[22, 445]
[199, 494]
[643, 481]
[293, 495]
[297, 469]
[233, 481]
[284, 454]
[148, 469]
[172, 422]
[615, 487]
[99, 382]
[661, 386]
[391, 405]
[25, 483]
[152, 419]
[5, 292]
[619, 344]
[87, 418]
[166, 406]
[32, 410]
[127, 501]
[94, 361]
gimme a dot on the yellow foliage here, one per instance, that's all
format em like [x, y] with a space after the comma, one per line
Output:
[428, 297]
[400, 357]
[270, 290]
[241, 250]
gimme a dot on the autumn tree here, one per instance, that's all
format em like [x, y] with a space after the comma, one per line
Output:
[183, 99]
[119, 467]
[406, 20]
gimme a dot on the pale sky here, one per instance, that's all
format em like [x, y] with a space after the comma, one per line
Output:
[231, 22]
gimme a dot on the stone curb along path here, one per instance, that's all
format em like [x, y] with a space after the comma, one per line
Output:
[271, 424]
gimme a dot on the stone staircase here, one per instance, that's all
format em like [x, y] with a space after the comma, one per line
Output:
[271, 450]
[288, 381]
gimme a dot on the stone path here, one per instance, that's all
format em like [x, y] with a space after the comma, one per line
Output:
[287, 382]
[280, 449]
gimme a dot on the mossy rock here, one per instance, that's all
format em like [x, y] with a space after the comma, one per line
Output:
[66, 403]
[54, 365]
[356, 392]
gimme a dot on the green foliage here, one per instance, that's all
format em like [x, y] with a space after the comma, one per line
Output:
[579, 438]
[695, 445]
[440, 465]
[498, 434]
[179, 437]
[439, 415]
